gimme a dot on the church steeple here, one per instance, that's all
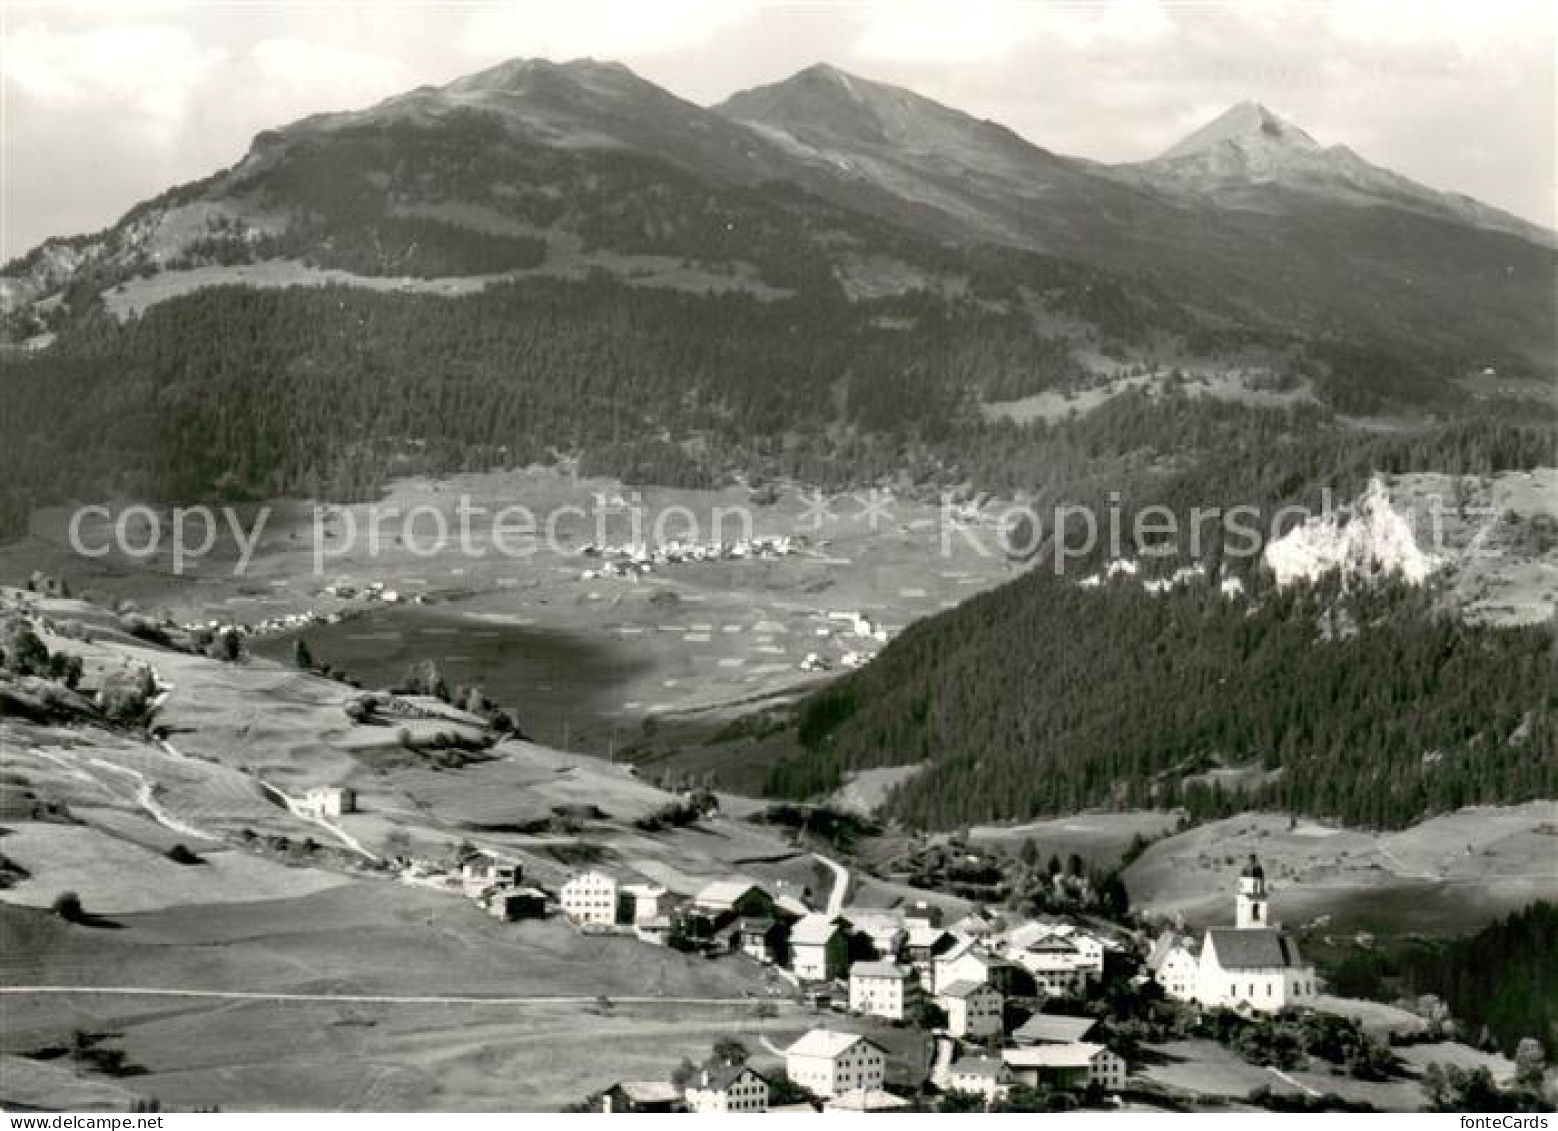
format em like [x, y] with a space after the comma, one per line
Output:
[1251, 907]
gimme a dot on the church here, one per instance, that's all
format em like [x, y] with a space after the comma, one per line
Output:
[1252, 965]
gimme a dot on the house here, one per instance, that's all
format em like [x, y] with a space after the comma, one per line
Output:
[1057, 966]
[819, 948]
[1253, 965]
[973, 1009]
[655, 932]
[330, 800]
[1069, 1067]
[829, 1063]
[510, 904]
[966, 961]
[1174, 965]
[985, 1076]
[980, 923]
[638, 1096]
[725, 898]
[884, 930]
[590, 897]
[865, 1100]
[925, 944]
[645, 901]
[727, 1089]
[481, 871]
[880, 989]
[1053, 1029]
[922, 914]
[762, 939]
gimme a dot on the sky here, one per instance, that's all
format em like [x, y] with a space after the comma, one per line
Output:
[107, 102]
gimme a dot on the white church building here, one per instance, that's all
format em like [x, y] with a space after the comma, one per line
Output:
[1252, 965]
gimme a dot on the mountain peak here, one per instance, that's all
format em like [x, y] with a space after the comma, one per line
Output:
[1244, 124]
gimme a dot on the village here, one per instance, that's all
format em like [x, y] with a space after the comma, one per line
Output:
[987, 1011]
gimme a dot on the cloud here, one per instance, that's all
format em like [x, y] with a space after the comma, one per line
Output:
[606, 29]
[325, 75]
[941, 32]
[146, 73]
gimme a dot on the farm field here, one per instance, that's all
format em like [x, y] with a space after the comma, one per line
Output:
[377, 938]
[582, 660]
[1447, 874]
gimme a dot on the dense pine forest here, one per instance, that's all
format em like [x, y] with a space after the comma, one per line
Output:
[1040, 697]
[1504, 977]
[235, 393]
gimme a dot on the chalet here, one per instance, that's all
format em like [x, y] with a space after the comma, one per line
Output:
[641, 1096]
[927, 943]
[880, 989]
[1069, 1067]
[819, 948]
[761, 938]
[727, 1089]
[330, 800]
[973, 1009]
[922, 914]
[1056, 964]
[734, 897]
[481, 871]
[966, 961]
[1053, 1029]
[884, 930]
[655, 932]
[644, 901]
[511, 904]
[1175, 966]
[590, 897]
[829, 1063]
[979, 923]
[985, 1076]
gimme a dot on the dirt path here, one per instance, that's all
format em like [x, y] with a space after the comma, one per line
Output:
[840, 885]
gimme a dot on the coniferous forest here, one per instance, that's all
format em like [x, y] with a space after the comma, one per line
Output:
[1041, 697]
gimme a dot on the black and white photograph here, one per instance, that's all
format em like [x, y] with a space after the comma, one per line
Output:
[778, 557]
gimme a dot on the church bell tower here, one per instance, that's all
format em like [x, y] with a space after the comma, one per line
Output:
[1251, 907]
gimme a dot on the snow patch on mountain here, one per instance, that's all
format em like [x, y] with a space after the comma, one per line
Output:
[1369, 538]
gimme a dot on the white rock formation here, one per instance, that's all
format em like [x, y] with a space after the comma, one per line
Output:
[1367, 538]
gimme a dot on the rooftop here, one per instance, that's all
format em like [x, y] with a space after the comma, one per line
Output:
[1252, 948]
[813, 929]
[1076, 1054]
[1053, 1028]
[879, 970]
[825, 1043]
[722, 893]
[961, 988]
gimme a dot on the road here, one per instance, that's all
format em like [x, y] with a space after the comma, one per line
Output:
[381, 999]
[840, 884]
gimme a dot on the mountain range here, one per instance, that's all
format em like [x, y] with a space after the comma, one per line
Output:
[532, 165]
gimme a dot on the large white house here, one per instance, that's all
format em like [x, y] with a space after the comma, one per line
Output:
[590, 897]
[973, 1009]
[879, 988]
[819, 948]
[827, 1063]
[1072, 1066]
[1252, 965]
[727, 1089]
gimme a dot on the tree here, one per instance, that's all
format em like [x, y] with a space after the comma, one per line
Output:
[728, 1050]
[302, 656]
[683, 1075]
[1530, 1063]
[67, 905]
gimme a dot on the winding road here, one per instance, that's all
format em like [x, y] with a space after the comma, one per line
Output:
[840, 885]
